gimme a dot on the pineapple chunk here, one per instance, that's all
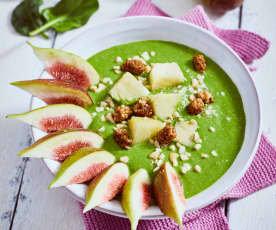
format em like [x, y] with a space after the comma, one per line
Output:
[164, 105]
[128, 88]
[143, 128]
[164, 75]
[185, 130]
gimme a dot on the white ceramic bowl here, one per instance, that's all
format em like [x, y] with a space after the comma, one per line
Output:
[130, 29]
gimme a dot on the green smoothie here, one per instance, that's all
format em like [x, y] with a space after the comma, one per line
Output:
[227, 120]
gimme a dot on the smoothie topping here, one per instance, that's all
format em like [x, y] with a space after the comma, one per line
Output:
[145, 56]
[199, 63]
[124, 159]
[206, 97]
[196, 106]
[204, 155]
[197, 146]
[121, 113]
[122, 138]
[143, 108]
[118, 59]
[166, 135]
[197, 168]
[212, 129]
[135, 67]
[214, 153]
[173, 158]
[185, 168]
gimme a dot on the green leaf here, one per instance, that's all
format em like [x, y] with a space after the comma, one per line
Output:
[67, 15]
[26, 16]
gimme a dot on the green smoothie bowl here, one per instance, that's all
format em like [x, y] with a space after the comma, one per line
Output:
[160, 118]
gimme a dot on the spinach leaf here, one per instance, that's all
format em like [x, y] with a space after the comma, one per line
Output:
[26, 17]
[67, 15]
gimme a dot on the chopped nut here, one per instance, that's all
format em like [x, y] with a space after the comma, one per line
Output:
[152, 53]
[121, 113]
[196, 106]
[135, 67]
[101, 129]
[162, 156]
[185, 156]
[148, 69]
[195, 83]
[182, 149]
[172, 147]
[145, 56]
[173, 159]
[99, 109]
[212, 129]
[197, 146]
[124, 159]
[107, 80]
[206, 97]
[155, 169]
[204, 155]
[199, 63]
[119, 59]
[110, 118]
[154, 155]
[222, 94]
[103, 118]
[197, 168]
[116, 67]
[143, 108]
[94, 114]
[166, 135]
[228, 118]
[185, 168]
[214, 153]
[122, 138]
[117, 71]
[192, 97]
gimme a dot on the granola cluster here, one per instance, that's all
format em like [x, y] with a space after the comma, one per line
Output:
[122, 138]
[121, 113]
[206, 97]
[199, 63]
[143, 108]
[135, 67]
[166, 135]
[196, 106]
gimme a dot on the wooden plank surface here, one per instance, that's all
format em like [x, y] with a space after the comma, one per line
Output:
[258, 210]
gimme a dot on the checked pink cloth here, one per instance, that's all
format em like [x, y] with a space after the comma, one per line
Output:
[262, 172]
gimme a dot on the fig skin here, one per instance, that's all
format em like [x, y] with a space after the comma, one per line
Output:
[222, 6]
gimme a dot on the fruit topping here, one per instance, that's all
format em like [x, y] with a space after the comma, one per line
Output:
[82, 166]
[164, 75]
[128, 88]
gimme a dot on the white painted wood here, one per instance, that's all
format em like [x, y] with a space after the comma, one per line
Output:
[258, 210]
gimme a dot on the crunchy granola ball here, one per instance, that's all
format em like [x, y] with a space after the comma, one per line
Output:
[199, 63]
[166, 135]
[135, 67]
[143, 108]
[196, 106]
[206, 97]
[122, 138]
[121, 113]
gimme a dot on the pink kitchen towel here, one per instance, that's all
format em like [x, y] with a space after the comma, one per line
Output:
[262, 172]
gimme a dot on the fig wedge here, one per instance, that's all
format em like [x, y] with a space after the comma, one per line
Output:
[67, 66]
[168, 193]
[82, 166]
[136, 196]
[55, 92]
[56, 117]
[106, 185]
[59, 145]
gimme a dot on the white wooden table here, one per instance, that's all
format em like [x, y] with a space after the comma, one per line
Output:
[25, 201]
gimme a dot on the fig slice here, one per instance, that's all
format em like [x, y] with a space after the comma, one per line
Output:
[56, 117]
[55, 92]
[59, 145]
[136, 196]
[106, 185]
[82, 166]
[168, 193]
[67, 66]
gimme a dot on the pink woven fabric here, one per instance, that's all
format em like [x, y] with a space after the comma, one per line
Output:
[262, 171]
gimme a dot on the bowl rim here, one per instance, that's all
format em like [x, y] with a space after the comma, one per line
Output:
[212, 36]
